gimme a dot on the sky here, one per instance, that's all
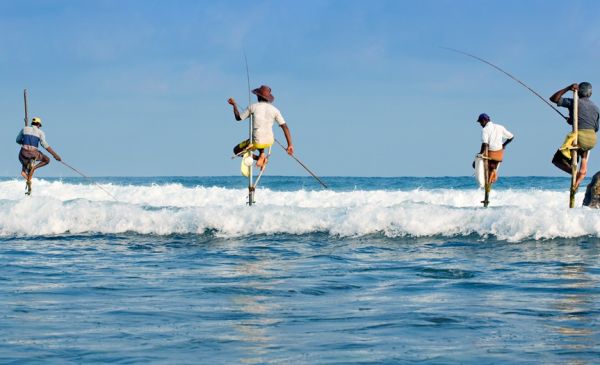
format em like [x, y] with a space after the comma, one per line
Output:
[140, 87]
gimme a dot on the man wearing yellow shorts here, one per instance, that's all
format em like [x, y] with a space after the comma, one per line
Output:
[587, 121]
[265, 114]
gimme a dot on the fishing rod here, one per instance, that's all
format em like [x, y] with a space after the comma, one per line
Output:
[509, 75]
[303, 165]
[89, 178]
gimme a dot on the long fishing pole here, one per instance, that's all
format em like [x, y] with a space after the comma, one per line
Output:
[89, 178]
[303, 165]
[507, 74]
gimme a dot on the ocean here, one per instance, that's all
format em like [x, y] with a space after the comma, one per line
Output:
[179, 270]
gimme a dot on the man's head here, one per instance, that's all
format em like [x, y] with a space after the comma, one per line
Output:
[36, 121]
[483, 119]
[264, 93]
[584, 90]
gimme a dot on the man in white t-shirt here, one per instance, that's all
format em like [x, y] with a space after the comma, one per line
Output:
[494, 139]
[265, 114]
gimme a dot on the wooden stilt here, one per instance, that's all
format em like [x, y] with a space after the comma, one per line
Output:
[573, 189]
[486, 174]
[251, 188]
[26, 111]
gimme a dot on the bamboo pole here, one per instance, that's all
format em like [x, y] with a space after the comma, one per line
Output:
[251, 188]
[573, 190]
[486, 175]
[26, 111]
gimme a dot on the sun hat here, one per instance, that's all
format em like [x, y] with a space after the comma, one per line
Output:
[265, 92]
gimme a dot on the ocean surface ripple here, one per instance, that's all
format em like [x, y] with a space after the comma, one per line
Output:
[373, 271]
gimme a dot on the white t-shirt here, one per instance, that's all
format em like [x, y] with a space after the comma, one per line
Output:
[494, 135]
[264, 116]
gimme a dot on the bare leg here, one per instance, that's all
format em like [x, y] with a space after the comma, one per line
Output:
[582, 169]
[262, 158]
[45, 160]
[493, 166]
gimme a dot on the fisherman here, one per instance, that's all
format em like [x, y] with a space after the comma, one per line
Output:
[29, 138]
[587, 121]
[265, 114]
[494, 138]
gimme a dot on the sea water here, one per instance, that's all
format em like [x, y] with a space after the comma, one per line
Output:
[373, 270]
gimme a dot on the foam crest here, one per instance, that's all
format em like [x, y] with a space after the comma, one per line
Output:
[515, 215]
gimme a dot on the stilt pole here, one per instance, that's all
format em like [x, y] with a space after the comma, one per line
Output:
[573, 190]
[486, 174]
[26, 111]
[251, 188]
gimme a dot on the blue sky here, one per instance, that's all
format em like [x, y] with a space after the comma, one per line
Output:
[140, 87]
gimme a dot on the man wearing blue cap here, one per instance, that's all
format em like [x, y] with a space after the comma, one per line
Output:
[494, 138]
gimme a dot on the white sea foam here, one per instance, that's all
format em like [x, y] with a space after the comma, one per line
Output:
[514, 215]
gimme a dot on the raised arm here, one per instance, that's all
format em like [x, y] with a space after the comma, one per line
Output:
[236, 112]
[557, 95]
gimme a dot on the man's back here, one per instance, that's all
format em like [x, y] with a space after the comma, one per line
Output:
[588, 113]
[32, 136]
[264, 116]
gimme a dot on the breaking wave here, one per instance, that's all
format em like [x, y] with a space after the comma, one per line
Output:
[514, 215]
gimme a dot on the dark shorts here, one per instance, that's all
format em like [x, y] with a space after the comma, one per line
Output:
[26, 155]
[241, 146]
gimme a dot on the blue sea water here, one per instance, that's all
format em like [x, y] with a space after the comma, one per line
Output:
[372, 271]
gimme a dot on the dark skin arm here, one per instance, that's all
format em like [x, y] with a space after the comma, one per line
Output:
[507, 142]
[54, 154]
[485, 145]
[236, 112]
[288, 138]
[557, 95]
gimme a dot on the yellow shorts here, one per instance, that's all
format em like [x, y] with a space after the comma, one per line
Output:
[261, 146]
[243, 145]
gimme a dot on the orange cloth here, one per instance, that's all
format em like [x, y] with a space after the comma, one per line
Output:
[496, 155]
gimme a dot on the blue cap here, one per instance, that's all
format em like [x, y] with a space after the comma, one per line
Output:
[483, 117]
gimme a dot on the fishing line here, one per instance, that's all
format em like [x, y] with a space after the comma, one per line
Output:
[89, 178]
[509, 75]
[303, 165]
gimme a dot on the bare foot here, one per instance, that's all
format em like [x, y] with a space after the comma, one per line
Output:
[262, 161]
[578, 180]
